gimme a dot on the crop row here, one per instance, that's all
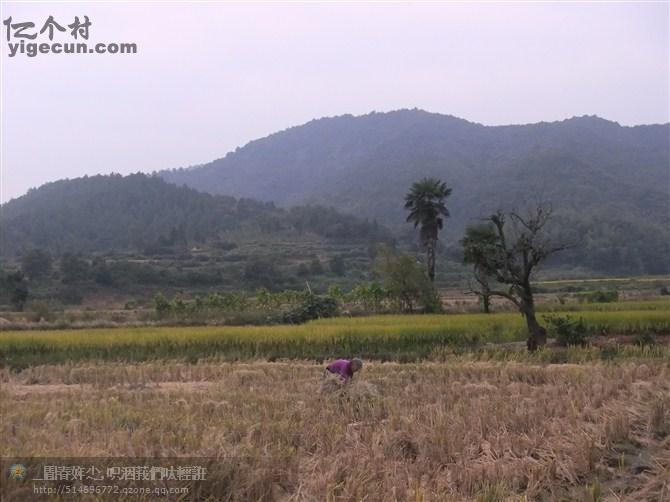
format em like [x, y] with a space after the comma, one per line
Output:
[378, 337]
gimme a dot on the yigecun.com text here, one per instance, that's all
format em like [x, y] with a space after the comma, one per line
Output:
[32, 49]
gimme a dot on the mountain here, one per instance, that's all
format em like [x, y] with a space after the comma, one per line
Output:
[103, 213]
[608, 183]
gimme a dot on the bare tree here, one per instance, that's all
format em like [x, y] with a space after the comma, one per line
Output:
[508, 249]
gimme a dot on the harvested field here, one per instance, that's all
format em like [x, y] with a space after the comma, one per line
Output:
[458, 430]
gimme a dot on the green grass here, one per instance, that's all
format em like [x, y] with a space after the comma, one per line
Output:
[607, 307]
[402, 338]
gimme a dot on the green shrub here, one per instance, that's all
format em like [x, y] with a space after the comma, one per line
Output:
[600, 296]
[312, 307]
[568, 332]
[407, 284]
[161, 304]
[645, 339]
[370, 295]
[40, 311]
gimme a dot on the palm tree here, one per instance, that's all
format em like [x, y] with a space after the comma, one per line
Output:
[425, 202]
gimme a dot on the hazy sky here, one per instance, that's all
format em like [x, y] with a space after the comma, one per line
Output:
[209, 77]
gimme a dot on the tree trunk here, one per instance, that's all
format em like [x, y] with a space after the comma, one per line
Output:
[409, 307]
[486, 302]
[430, 259]
[537, 335]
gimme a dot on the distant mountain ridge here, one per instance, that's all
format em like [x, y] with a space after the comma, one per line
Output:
[599, 175]
[364, 164]
[608, 184]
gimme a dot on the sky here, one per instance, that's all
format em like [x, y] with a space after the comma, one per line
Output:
[210, 77]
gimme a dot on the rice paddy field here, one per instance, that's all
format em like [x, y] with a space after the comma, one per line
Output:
[402, 338]
[446, 408]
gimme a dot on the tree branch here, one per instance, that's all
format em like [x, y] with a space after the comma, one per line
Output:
[503, 294]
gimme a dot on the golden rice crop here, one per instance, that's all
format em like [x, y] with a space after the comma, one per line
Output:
[393, 337]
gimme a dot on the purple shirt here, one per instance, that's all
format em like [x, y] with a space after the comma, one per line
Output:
[341, 367]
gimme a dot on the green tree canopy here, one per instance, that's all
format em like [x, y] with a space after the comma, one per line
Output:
[425, 202]
[406, 282]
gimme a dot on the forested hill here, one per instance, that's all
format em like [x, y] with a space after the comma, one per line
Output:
[608, 182]
[142, 212]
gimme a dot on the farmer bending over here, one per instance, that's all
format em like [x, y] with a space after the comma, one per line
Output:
[344, 368]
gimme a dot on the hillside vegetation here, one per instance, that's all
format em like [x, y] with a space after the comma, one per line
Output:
[608, 183]
[103, 213]
[130, 236]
